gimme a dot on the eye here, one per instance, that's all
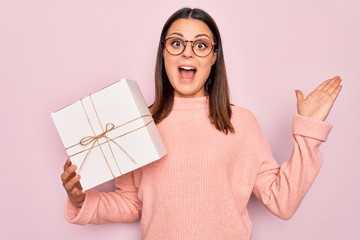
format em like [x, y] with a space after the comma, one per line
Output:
[202, 44]
[176, 43]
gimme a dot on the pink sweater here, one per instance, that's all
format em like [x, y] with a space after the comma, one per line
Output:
[200, 190]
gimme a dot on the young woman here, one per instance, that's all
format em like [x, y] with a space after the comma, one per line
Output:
[217, 155]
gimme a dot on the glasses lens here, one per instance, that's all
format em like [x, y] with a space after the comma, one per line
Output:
[174, 46]
[202, 47]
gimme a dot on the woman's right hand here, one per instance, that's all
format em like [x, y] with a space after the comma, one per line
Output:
[72, 185]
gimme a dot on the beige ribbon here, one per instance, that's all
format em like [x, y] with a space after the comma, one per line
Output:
[94, 140]
[89, 139]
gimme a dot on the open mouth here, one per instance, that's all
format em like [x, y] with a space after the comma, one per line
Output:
[187, 72]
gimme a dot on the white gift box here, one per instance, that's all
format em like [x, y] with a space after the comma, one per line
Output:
[109, 133]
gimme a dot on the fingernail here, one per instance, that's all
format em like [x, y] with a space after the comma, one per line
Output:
[73, 167]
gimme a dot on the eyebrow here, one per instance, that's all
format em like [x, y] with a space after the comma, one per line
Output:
[196, 36]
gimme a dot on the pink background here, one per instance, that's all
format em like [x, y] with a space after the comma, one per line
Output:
[54, 52]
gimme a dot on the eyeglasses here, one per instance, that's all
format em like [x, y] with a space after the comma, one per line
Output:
[201, 47]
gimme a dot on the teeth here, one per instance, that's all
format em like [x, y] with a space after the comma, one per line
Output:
[187, 68]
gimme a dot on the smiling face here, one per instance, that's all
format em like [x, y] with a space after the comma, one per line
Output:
[188, 72]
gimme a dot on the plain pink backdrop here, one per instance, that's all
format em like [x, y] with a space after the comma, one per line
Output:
[54, 52]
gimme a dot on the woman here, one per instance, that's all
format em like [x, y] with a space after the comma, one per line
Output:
[217, 154]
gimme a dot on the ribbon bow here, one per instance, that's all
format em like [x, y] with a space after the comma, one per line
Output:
[93, 139]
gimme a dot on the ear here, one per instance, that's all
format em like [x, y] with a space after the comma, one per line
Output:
[214, 57]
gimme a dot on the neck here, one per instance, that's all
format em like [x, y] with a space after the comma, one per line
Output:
[190, 103]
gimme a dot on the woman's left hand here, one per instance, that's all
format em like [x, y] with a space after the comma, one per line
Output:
[319, 102]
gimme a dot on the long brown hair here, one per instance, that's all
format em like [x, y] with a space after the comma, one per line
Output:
[216, 85]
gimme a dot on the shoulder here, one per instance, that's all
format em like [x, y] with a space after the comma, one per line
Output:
[242, 114]
[244, 118]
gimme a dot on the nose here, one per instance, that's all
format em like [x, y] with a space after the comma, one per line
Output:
[188, 52]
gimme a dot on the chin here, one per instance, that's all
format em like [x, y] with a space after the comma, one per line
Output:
[189, 94]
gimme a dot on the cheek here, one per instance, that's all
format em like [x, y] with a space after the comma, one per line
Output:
[169, 62]
[168, 67]
[170, 71]
[206, 67]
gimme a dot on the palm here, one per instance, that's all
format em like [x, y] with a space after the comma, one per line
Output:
[320, 101]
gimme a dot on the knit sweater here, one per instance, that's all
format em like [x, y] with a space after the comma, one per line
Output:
[201, 188]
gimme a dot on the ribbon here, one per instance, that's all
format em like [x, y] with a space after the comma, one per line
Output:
[89, 139]
[94, 140]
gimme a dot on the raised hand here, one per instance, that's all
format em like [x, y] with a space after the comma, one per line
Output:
[72, 185]
[319, 102]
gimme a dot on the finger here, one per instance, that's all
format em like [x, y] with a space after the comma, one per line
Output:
[336, 92]
[69, 186]
[329, 83]
[299, 95]
[335, 84]
[66, 178]
[68, 173]
[322, 85]
[78, 185]
[67, 164]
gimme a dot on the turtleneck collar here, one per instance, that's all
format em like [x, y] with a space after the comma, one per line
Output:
[191, 103]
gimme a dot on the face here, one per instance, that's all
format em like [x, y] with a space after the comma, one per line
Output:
[188, 72]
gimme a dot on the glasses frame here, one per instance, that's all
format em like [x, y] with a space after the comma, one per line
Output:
[185, 44]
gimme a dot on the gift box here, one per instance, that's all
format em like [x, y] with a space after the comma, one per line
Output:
[109, 133]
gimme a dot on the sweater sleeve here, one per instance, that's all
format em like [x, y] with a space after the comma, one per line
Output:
[282, 188]
[122, 205]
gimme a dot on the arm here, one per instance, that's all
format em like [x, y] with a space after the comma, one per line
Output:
[96, 207]
[281, 189]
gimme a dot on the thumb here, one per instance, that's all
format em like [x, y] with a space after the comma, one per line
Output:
[299, 95]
